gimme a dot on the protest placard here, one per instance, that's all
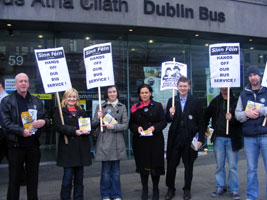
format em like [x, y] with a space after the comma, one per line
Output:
[99, 68]
[98, 65]
[53, 69]
[264, 78]
[225, 68]
[54, 73]
[224, 65]
[171, 71]
[264, 83]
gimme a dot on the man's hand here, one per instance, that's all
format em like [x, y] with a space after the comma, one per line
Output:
[199, 144]
[27, 133]
[228, 116]
[253, 113]
[172, 110]
[38, 124]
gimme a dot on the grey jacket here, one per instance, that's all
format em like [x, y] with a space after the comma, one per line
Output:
[110, 144]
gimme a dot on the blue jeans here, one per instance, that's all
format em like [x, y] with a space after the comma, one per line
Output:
[253, 147]
[223, 150]
[110, 186]
[66, 187]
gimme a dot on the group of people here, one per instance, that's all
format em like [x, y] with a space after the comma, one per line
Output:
[147, 120]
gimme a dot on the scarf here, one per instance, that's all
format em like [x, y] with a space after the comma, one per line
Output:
[139, 105]
[114, 103]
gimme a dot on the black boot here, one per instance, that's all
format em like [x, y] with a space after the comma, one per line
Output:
[155, 180]
[144, 180]
[144, 193]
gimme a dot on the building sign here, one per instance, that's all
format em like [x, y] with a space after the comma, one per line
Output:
[10, 85]
[150, 7]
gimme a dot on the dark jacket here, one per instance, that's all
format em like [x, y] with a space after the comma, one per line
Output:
[253, 127]
[148, 150]
[192, 119]
[235, 127]
[10, 117]
[77, 152]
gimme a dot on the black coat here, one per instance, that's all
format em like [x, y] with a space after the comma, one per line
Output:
[235, 127]
[77, 152]
[193, 123]
[10, 118]
[148, 151]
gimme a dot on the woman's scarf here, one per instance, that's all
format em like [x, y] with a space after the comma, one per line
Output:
[139, 105]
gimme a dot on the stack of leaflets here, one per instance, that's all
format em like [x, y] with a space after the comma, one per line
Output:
[209, 135]
[252, 104]
[147, 132]
[108, 119]
[85, 124]
[28, 117]
[194, 143]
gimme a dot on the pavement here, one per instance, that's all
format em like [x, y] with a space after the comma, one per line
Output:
[203, 184]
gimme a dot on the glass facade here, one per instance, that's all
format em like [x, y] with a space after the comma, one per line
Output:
[137, 58]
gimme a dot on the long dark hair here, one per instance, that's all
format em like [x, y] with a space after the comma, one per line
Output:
[106, 92]
[145, 86]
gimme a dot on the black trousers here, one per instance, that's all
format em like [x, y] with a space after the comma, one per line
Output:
[172, 163]
[17, 157]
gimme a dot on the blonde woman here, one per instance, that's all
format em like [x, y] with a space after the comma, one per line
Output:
[76, 154]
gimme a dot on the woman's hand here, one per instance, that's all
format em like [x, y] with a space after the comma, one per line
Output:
[152, 128]
[82, 132]
[140, 129]
[99, 114]
[108, 126]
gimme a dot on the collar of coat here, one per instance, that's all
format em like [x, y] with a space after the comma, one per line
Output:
[105, 104]
[177, 97]
[65, 110]
[152, 103]
[249, 90]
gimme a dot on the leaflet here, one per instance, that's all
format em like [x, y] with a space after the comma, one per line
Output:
[252, 104]
[85, 124]
[28, 118]
[194, 143]
[108, 119]
[147, 132]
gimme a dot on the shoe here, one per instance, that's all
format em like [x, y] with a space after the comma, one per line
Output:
[219, 191]
[187, 195]
[155, 195]
[106, 198]
[170, 194]
[235, 195]
[144, 193]
[117, 199]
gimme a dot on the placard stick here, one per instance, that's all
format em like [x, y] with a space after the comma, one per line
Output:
[61, 116]
[100, 107]
[228, 108]
[173, 92]
[264, 121]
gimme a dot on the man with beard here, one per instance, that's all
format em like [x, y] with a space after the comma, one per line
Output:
[251, 110]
